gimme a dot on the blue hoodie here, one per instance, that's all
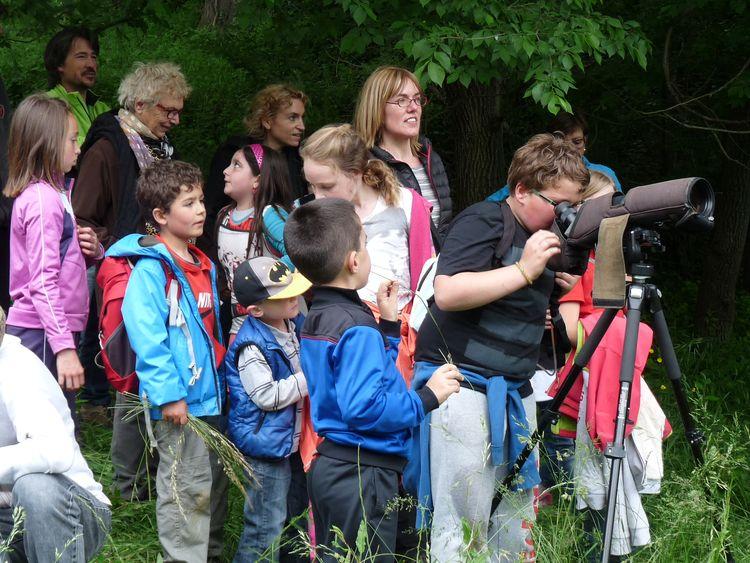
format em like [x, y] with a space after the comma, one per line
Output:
[163, 352]
[358, 398]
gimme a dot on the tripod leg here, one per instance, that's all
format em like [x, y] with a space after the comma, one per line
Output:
[694, 436]
[664, 340]
[549, 416]
[616, 450]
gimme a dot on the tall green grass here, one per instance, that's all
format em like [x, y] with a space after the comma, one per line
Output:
[687, 524]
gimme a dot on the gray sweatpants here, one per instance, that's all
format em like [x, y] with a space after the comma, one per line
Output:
[191, 492]
[463, 482]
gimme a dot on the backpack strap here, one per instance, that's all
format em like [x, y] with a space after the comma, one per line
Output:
[509, 231]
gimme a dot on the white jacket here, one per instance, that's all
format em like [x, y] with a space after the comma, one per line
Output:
[36, 429]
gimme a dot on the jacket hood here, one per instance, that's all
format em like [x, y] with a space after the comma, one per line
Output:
[139, 246]
[104, 126]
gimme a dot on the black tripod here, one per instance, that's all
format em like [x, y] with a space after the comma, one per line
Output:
[641, 296]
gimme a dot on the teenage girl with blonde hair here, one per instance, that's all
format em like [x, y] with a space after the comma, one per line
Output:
[396, 219]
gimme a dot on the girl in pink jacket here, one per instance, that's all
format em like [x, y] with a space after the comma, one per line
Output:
[48, 250]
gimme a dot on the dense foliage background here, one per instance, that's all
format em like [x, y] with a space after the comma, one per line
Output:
[665, 87]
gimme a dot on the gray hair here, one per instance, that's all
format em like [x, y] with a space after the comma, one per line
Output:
[148, 82]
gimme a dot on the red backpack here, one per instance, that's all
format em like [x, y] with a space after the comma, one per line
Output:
[117, 356]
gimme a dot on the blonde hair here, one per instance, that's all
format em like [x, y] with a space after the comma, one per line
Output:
[36, 143]
[598, 182]
[149, 82]
[267, 103]
[384, 83]
[542, 160]
[339, 147]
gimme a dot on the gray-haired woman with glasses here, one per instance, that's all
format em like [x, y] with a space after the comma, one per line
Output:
[388, 118]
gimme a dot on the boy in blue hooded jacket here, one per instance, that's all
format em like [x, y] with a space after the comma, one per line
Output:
[170, 312]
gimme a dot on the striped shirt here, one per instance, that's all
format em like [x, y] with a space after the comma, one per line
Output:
[428, 192]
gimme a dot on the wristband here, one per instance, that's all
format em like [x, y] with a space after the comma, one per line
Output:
[523, 273]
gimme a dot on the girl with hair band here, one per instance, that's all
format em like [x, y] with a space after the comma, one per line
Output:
[276, 119]
[396, 219]
[258, 183]
[50, 252]
[388, 117]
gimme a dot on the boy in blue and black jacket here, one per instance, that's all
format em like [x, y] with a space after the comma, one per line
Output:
[266, 394]
[359, 401]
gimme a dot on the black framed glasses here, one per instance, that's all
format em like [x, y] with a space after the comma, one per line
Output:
[552, 202]
[403, 102]
[172, 113]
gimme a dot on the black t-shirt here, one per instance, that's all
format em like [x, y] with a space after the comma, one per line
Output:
[502, 337]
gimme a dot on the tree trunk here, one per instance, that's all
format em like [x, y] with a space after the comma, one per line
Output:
[715, 312]
[218, 13]
[479, 163]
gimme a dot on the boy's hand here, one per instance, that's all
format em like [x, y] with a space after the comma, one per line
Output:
[540, 247]
[387, 298]
[445, 381]
[69, 370]
[566, 281]
[88, 241]
[175, 412]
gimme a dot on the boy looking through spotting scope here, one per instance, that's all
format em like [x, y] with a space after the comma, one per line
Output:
[359, 401]
[491, 296]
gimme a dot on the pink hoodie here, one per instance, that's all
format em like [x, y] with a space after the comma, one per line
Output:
[47, 268]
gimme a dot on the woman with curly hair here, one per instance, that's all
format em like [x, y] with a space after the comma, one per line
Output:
[277, 120]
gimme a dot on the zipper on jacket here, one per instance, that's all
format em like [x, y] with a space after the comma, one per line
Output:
[261, 420]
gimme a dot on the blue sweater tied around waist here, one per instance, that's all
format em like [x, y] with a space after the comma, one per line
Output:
[505, 403]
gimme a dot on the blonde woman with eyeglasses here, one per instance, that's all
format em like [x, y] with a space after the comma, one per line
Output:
[389, 118]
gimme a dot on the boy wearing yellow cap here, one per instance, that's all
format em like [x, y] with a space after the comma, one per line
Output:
[266, 392]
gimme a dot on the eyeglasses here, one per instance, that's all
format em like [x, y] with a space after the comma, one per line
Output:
[552, 202]
[172, 113]
[404, 102]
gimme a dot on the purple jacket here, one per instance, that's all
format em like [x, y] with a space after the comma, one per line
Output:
[48, 270]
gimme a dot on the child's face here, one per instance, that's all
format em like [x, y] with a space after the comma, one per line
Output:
[535, 212]
[71, 150]
[239, 181]
[275, 311]
[186, 216]
[326, 181]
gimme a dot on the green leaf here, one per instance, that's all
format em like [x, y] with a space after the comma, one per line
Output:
[536, 91]
[567, 61]
[359, 14]
[528, 47]
[421, 49]
[361, 543]
[465, 79]
[443, 59]
[436, 73]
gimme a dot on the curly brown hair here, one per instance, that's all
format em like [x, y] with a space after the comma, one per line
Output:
[544, 159]
[161, 183]
[267, 103]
